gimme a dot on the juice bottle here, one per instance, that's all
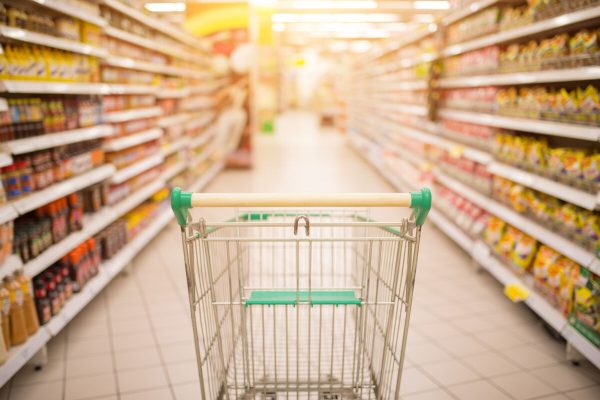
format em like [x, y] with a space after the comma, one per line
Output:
[18, 327]
[5, 310]
[3, 349]
[44, 311]
[31, 319]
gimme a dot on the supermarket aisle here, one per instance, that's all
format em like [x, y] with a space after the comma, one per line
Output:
[466, 342]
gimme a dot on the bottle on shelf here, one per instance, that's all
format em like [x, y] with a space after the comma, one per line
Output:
[18, 327]
[31, 319]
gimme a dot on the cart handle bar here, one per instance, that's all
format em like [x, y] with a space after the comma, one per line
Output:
[182, 201]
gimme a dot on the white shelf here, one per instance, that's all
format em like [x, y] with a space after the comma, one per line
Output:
[468, 10]
[173, 93]
[200, 121]
[133, 140]
[583, 132]
[91, 226]
[163, 27]
[22, 146]
[523, 78]
[560, 21]
[11, 264]
[393, 106]
[526, 225]
[72, 10]
[23, 35]
[584, 346]
[451, 230]
[148, 43]
[5, 159]
[197, 103]
[565, 192]
[24, 86]
[208, 176]
[61, 189]
[18, 356]
[173, 171]
[130, 63]
[176, 145]
[135, 169]
[130, 115]
[7, 213]
[401, 85]
[171, 120]
[201, 139]
[476, 155]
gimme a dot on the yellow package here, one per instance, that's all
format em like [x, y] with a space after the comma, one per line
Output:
[524, 251]
[517, 198]
[544, 258]
[493, 231]
[507, 242]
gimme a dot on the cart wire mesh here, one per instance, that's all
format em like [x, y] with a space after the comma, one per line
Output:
[301, 304]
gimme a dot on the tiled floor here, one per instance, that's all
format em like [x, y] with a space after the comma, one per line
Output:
[467, 341]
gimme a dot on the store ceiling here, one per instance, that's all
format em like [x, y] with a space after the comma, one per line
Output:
[302, 21]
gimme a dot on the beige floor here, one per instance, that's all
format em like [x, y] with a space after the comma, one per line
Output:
[467, 341]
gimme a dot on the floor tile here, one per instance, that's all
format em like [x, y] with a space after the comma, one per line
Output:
[154, 394]
[426, 352]
[90, 387]
[523, 385]
[450, 372]
[184, 372]
[141, 379]
[137, 358]
[88, 347]
[563, 377]
[133, 341]
[478, 390]
[46, 391]
[490, 364]
[463, 346]
[591, 393]
[88, 366]
[439, 330]
[173, 353]
[414, 381]
[53, 371]
[553, 397]
[130, 326]
[189, 391]
[499, 339]
[529, 357]
[431, 395]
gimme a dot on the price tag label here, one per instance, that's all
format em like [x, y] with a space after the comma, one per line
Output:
[516, 292]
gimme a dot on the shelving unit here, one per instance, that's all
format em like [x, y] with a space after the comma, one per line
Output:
[185, 64]
[380, 126]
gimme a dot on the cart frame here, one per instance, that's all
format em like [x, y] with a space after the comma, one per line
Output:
[311, 303]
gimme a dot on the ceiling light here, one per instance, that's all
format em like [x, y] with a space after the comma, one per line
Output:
[291, 18]
[431, 5]
[423, 18]
[165, 7]
[313, 5]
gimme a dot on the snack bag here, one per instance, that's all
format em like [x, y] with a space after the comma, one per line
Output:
[507, 242]
[544, 258]
[591, 232]
[493, 231]
[523, 252]
[590, 167]
[588, 102]
[585, 315]
[517, 198]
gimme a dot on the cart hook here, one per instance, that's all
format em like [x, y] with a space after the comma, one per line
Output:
[306, 225]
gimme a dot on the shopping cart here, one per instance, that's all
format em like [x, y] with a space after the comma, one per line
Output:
[310, 304]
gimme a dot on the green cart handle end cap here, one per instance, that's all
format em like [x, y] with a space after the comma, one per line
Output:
[181, 202]
[420, 202]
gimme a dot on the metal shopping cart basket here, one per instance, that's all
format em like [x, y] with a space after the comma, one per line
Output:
[305, 303]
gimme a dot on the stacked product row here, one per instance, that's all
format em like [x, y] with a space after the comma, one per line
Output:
[105, 109]
[509, 143]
